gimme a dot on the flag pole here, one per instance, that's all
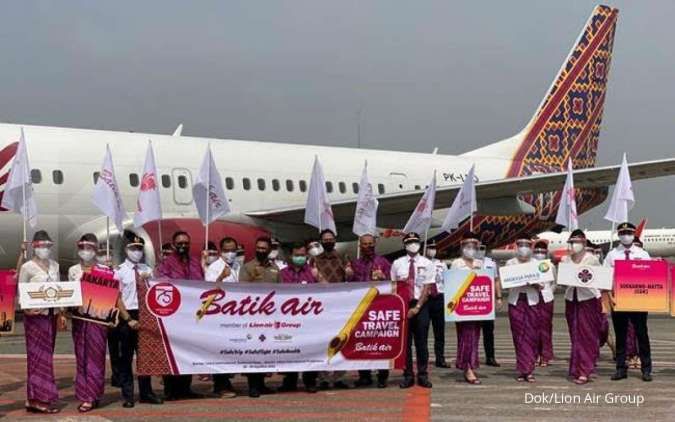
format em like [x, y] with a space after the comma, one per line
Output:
[158, 251]
[208, 192]
[107, 238]
[426, 236]
[24, 212]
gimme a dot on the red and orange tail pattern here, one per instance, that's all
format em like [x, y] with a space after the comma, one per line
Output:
[567, 124]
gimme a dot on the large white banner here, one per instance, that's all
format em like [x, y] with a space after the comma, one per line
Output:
[195, 327]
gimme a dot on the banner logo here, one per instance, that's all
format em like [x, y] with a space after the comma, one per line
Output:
[163, 299]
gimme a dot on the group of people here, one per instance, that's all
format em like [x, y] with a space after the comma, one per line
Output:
[418, 273]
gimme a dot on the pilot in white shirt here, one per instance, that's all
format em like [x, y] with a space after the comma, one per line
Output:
[437, 305]
[628, 251]
[424, 274]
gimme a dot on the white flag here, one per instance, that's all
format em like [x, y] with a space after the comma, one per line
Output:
[464, 204]
[365, 216]
[18, 182]
[622, 197]
[420, 220]
[107, 197]
[567, 210]
[318, 212]
[148, 205]
[208, 189]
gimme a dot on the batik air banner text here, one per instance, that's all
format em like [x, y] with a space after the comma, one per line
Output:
[259, 327]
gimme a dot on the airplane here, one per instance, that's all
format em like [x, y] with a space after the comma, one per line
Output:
[518, 185]
[659, 243]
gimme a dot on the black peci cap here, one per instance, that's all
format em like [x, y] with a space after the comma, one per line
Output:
[411, 237]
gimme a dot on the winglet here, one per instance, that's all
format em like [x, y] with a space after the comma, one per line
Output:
[178, 131]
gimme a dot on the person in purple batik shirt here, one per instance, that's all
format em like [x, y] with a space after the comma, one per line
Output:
[298, 271]
[180, 266]
[370, 267]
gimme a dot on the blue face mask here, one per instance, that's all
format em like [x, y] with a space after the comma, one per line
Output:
[299, 260]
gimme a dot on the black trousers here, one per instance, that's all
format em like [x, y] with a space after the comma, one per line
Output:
[639, 321]
[114, 352]
[124, 341]
[221, 382]
[308, 379]
[418, 332]
[382, 374]
[437, 317]
[256, 381]
[488, 328]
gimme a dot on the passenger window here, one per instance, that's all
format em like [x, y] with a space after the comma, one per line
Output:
[96, 174]
[380, 188]
[246, 182]
[303, 186]
[289, 185]
[57, 177]
[166, 181]
[35, 176]
[342, 187]
[355, 187]
[261, 184]
[329, 187]
[229, 183]
[275, 185]
[182, 182]
[133, 179]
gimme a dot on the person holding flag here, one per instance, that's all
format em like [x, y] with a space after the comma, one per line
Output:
[415, 274]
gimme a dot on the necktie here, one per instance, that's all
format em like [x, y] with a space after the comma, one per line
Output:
[627, 252]
[411, 278]
[433, 290]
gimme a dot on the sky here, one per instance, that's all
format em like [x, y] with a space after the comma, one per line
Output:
[455, 75]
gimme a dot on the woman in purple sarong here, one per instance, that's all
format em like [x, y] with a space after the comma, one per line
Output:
[583, 311]
[524, 316]
[468, 332]
[90, 338]
[40, 327]
[546, 307]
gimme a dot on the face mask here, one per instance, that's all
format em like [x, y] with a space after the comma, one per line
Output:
[524, 251]
[626, 239]
[229, 257]
[101, 259]
[315, 251]
[480, 254]
[261, 256]
[42, 253]
[274, 254]
[211, 259]
[539, 256]
[469, 253]
[577, 247]
[86, 255]
[328, 246]
[299, 261]
[413, 248]
[183, 250]
[431, 253]
[134, 256]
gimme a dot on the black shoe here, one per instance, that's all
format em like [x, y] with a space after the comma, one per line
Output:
[381, 383]
[128, 404]
[442, 364]
[424, 382]
[151, 399]
[324, 385]
[492, 362]
[363, 382]
[340, 385]
[253, 393]
[171, 397]
[312, 388]
[407, 382]
[619, 375]
[646, 377]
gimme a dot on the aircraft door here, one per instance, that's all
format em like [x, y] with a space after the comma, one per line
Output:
[182, 186]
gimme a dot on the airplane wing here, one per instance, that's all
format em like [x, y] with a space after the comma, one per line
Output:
[395, 208]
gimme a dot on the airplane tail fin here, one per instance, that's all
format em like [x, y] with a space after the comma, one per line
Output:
[567, 122]
[641, 227]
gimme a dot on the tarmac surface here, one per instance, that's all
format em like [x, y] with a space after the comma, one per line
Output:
[500, 398]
